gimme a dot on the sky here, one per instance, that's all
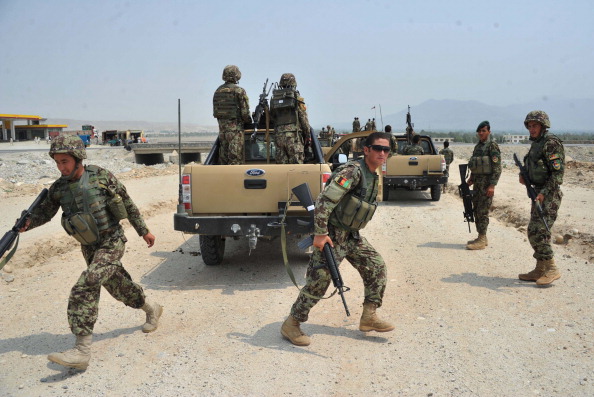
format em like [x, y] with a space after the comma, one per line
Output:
[133, 60]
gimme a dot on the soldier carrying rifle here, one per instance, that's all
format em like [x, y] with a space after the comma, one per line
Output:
[353, 185]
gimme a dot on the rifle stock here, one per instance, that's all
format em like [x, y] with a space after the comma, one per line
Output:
[531, 191]
[466, 194]
[12, 235]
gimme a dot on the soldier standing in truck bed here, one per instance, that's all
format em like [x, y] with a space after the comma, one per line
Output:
[232, 110]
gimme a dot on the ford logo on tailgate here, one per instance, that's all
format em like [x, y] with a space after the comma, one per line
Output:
[255, 172]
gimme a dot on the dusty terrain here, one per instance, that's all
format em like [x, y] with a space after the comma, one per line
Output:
[465, 325]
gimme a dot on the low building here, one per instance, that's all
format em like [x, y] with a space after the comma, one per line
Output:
[515, 138]
[29, 131]
[441, 140]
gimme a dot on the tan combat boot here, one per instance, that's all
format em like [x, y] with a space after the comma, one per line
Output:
[78, 357]
[153, 313]
[370, 321]
[476, 239]
[479, 244]
[292, 332]
[534, 274]
[551, 273]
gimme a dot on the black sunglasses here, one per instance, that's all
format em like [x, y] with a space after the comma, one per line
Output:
[380, 148]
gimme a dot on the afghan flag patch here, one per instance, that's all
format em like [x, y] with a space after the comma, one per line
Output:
[495, 159]
[342, 181]
[554, 156]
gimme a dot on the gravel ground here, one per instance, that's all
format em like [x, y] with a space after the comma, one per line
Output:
[465, 326]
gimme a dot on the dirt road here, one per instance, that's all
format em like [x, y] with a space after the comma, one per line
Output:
[465, 325]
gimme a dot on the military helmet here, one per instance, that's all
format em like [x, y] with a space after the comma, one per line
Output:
[538, 116]
[68, 144]
[287, 80]
[231, 74]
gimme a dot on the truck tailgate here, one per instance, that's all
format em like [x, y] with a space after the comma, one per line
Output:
[411, 165]
[258, 188]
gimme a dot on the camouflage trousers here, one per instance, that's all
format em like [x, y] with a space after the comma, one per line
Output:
[289, 147]
[103, 269]
[481, 203]
[539, 237]
[361, 255]
[231, 141]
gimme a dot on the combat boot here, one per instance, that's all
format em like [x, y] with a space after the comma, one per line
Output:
[476, 239]
[153, 313]
[534, 274]
[292, 332]
[370, 321]
[551, 273]
[78, 357]
[479, 243]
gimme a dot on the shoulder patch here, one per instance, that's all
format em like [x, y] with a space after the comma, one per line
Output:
[554, 156]
[342, 181]
[495, 159]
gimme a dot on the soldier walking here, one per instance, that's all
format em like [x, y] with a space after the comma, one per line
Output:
[355, 181]
[232, 110]
[292, 132]
[448, 156]
[545, 162]
[485, 168]
[93, 202]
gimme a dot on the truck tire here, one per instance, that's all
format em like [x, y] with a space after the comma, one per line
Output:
[212, 249]
[435, 192]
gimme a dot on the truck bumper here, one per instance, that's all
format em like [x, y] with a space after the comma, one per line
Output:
[414, 182]
[232, 226]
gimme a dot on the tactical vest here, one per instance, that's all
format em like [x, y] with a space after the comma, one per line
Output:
[480, 162]
[356, 209]
[283, 106]
[536, 162]
[85, 207]
[224, 102]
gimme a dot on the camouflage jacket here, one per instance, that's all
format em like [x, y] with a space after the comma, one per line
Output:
[489, 148]
[345, 181]
[49, 207]
[447, 154]
[548, 152]
[413, 149]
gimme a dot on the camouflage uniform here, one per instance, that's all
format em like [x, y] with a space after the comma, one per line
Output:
[414, 149]
[103, 258]
[347, 244]
[480, 202]
[231, 109]
[290, 139]
[356, 125]
[448, 155]
[548, 154]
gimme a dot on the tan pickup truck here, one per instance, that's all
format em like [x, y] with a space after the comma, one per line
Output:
[246, 201]
[415, 172]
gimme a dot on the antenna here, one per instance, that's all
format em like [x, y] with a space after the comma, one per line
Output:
[180, 206]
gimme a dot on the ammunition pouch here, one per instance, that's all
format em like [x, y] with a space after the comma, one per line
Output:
[354, 213]
[115, 203]
[82, 227]
[480, 165]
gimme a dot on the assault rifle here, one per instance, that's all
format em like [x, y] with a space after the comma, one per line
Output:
[304, 195]
[261, 108]
[13, 234]
[466, 194]
[409, 127]
[531, 191]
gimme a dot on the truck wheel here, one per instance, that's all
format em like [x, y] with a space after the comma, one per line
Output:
[212, 249]
[435, 192]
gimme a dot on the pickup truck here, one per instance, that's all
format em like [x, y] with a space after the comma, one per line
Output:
[415, 172]
[247, 201]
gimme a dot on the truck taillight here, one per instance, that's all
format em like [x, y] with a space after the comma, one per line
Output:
[186, 191]
[325, 177]
[384, 168]
[443, 164]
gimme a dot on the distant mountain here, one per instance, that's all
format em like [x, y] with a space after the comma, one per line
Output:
[147, 126]
[463, 116]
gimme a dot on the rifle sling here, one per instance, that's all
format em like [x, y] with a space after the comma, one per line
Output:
[286, 259]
